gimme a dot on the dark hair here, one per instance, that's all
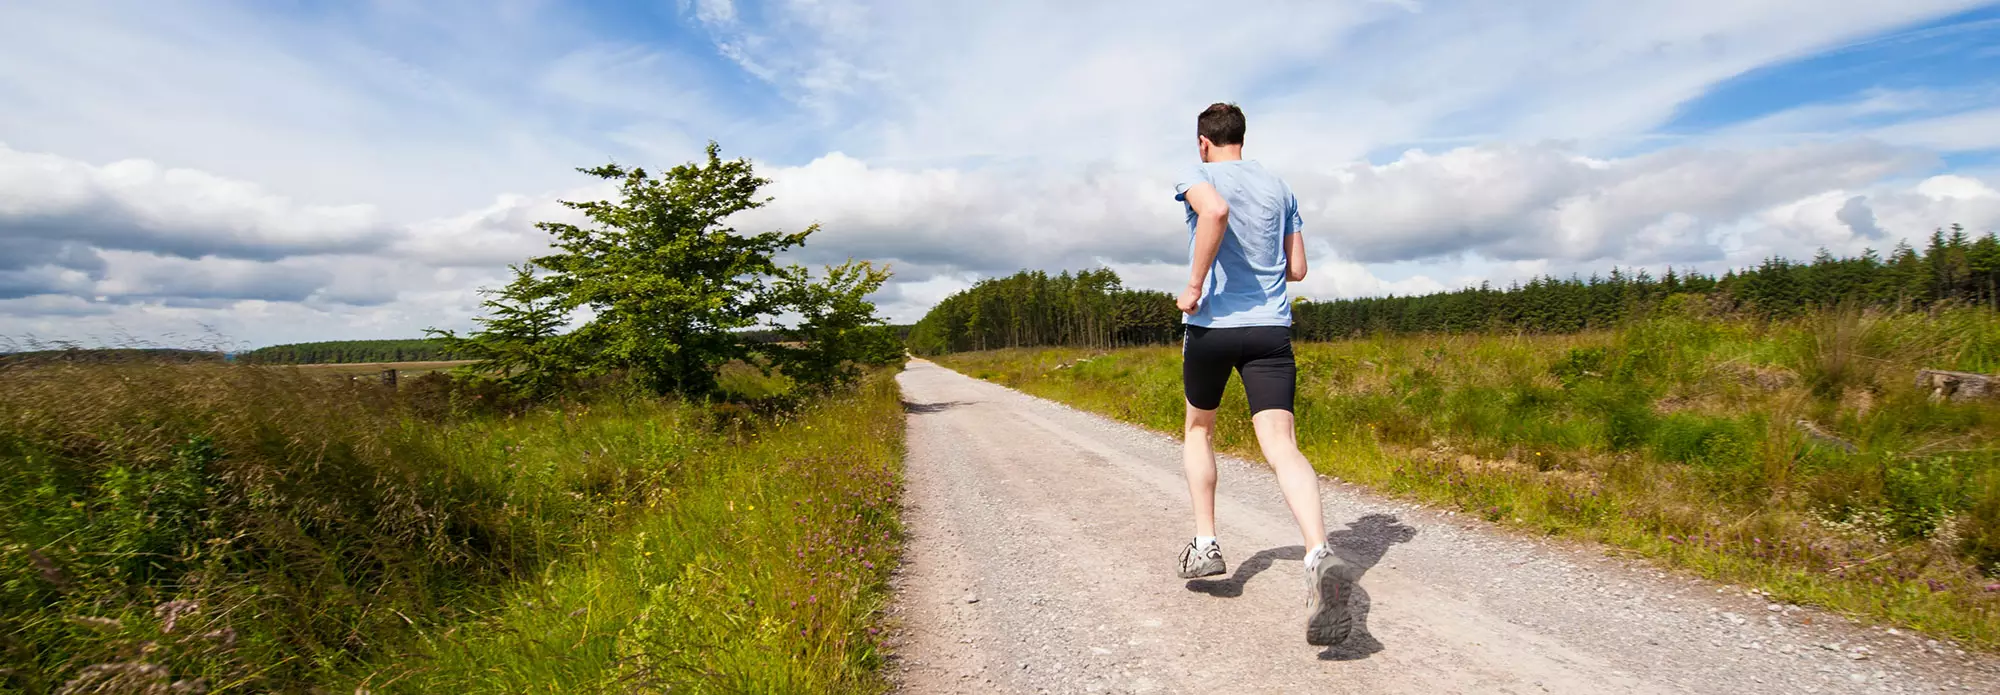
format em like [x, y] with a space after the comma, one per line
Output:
[1221, 123]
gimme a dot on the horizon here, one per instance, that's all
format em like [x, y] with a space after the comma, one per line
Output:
[327, 171]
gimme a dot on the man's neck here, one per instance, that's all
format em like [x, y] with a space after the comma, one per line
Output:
[1229, 153]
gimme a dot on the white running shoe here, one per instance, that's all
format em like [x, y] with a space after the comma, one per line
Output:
[1327, 617]
[1204, 561]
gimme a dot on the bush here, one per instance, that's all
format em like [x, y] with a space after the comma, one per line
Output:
[1707, 442]
[1921, 492]
[249, 523]
[1623, 409]
[1579, 365]
[1980, 535]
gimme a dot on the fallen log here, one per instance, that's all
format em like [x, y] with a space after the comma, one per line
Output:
[1956, 386]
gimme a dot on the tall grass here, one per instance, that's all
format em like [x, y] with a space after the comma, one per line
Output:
[250, 529]
[759, 569]
[1798, 457]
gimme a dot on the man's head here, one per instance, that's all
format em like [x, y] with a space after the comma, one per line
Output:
[1219, 130]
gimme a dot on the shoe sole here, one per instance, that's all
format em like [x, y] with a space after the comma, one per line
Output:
[1205, 571]
[1330, 621]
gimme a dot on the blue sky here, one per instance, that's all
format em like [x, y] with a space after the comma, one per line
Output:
[1954, 54]
[255, 173]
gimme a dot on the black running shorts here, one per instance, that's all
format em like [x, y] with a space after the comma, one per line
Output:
[1261, 354]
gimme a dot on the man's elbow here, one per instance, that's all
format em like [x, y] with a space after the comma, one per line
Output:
[1295, 275]
[1216, 213]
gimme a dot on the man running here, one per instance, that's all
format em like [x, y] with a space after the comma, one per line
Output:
[1244, 244]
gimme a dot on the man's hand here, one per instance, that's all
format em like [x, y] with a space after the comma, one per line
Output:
[1189, 300]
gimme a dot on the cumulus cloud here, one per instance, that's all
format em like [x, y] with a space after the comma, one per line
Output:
[1512, 202]
[92, 242]
[499, 234]
[138, 205]
[1544, 204]
[1899, 212]
[1859, 218]
[982, 220]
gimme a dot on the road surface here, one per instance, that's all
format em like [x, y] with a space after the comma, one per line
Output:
[1041, 559]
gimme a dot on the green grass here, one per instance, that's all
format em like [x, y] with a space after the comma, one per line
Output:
[758, 569]
[1677, 438]
[257, 529]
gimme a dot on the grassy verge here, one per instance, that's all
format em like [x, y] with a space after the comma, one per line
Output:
[239, 529]
[759, 568]
[1798, 458]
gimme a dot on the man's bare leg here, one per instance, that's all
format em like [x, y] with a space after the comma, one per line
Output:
[1295, 474]
[1328, 619]
[1198, 459]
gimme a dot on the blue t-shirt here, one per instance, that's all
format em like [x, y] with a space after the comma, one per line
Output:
[1246, 287]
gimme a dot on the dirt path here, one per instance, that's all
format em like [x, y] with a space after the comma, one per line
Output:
[1041, 554]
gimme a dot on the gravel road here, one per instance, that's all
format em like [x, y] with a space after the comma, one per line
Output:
[1041, 559]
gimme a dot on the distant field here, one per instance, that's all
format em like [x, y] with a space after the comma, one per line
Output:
[406, 368]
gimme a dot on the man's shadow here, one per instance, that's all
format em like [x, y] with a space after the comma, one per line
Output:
[1359, 547]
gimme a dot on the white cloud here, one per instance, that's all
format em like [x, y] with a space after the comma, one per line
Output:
[1542, 203]
[1524, 202]
[983, 220]
[140, 205]
[715, 12]
[499, 234]
[1969, 130]
[1066, 81]
[137, 246]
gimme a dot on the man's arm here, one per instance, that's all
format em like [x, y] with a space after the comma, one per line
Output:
[1211, 219]
[1295, 256]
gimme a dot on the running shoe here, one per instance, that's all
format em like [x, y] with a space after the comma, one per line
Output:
[1203, 561]
[1327, 617]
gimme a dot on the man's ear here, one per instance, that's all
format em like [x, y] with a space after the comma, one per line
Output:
[1202, 146]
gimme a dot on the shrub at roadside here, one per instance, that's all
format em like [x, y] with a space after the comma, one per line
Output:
[664, 288]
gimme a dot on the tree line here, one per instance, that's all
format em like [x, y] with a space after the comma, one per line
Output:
[1086, 308]
[1092, 309]
[350, 351]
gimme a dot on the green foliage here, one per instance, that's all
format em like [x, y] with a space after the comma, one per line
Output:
[837, 332]
[1625, 411]
[1922, 491]
[1954, 269]
[292, 520]
[1580, 364]
[352, 351]
[761, 567]
[1087, 308]
[261, 530]
[1710, 442]
[667, 291]
[1980, 533]
[520, 344]
[664, 279]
